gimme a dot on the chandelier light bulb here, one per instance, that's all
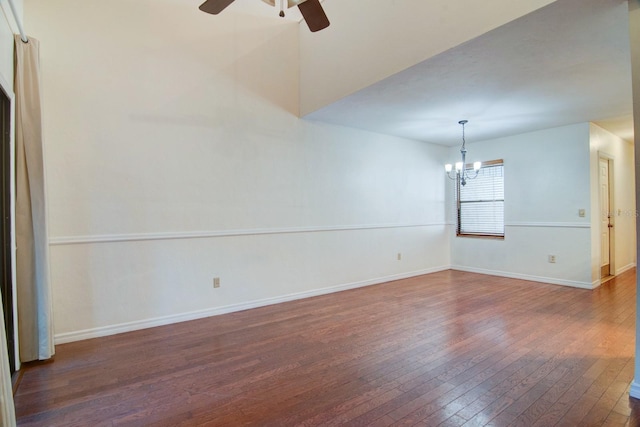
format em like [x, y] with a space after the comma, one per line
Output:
[476, 166]
[458, 166]
[448, 167]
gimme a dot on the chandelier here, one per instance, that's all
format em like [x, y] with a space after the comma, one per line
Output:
[461, 171]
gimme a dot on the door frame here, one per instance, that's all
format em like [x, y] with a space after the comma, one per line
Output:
[6, 89]
[612, 233]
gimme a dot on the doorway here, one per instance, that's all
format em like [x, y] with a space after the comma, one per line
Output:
[605, 168]
[6, 283]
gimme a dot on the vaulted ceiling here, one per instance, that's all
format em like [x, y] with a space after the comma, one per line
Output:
[568, 62]
[414, 69]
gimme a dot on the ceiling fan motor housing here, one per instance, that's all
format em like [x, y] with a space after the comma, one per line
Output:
[290, 3]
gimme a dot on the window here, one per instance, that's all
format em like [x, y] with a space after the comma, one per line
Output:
[481, 202]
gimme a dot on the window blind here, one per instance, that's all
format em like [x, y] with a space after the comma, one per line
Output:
[481, 202]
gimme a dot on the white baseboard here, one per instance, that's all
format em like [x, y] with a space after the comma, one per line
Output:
[625, 268]
[215, 311]
[551, 280]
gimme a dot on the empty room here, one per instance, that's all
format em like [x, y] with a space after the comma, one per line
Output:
[319, 212]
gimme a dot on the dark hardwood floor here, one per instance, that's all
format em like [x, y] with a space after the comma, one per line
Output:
[449, 348]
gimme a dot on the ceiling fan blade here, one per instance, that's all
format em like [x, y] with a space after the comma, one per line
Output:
[314, 15]
[215, 6]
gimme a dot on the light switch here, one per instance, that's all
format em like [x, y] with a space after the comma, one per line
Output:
[581, 213]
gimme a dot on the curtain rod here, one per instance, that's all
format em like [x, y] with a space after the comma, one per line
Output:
[23, 36]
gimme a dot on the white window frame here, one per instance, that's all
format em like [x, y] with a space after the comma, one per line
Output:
[459, 188]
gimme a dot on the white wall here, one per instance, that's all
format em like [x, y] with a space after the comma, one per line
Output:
[608, 145]
[174, 155]
[7, 29]
[634, 37]
[546, 183]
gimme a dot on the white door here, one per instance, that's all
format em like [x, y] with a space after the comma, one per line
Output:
[605, 219]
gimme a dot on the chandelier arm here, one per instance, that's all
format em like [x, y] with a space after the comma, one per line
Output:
[474, 176]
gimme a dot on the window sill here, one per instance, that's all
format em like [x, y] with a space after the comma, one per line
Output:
[481, 236]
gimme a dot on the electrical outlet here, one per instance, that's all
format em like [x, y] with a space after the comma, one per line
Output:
[399, 256]
[216, 282]
[552, 259]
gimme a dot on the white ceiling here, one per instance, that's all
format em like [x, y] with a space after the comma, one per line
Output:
[566, 63]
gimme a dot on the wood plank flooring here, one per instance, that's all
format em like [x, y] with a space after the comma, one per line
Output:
[449, 348]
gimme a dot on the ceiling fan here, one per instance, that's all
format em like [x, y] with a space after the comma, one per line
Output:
[311, 10]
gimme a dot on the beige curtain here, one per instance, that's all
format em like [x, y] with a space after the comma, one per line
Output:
[7, 411]
[35, 323]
